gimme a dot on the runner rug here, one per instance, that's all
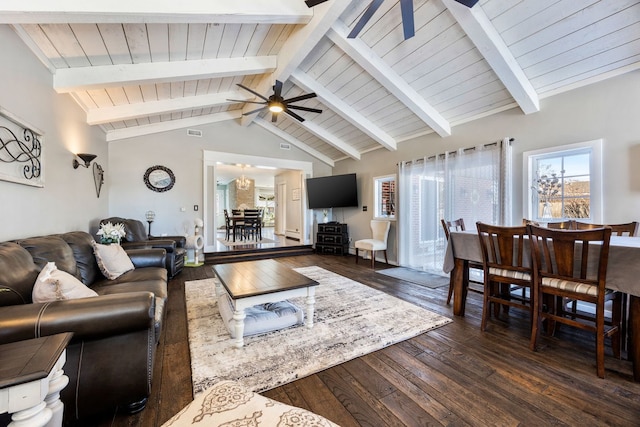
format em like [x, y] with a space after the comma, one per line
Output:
[351, 320]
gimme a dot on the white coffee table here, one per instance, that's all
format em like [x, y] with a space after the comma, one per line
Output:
[251, 283]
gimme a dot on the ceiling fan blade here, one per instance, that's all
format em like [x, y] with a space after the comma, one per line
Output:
[300, 98]
[311, 3]
[277, 89]
[295, 107]
[255, 111]
[406, 7]
[468, 3]
[244, 100]
[252, 91]
[373, 7]
[294, 115]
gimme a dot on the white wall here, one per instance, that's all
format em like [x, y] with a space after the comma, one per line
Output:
[68, 200]
[130, 158]
[608, 110]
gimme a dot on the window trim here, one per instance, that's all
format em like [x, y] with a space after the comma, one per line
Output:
[595, 169]
[377, 183]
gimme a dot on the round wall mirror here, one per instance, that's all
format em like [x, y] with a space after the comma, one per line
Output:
[159, 178]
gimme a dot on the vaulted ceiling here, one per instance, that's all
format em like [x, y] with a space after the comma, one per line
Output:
[143, 67]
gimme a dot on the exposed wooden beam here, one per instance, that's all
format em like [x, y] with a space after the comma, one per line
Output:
[130, 132]
[486, 38]
[330, 139]
[85, 78]
[153, 11]
[374, 65]
[293, 141]
[346, 111]
[97, 116]
[298, 46]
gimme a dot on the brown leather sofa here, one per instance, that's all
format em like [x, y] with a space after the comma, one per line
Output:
[136, 237]
[111, 355]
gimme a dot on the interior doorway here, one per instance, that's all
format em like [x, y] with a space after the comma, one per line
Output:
[211, 204]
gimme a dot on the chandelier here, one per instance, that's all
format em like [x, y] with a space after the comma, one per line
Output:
[243, 183]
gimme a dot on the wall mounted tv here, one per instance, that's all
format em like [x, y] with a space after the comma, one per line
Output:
[337, 191]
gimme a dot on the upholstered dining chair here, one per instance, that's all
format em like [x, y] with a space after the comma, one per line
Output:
[378, 242]
[564, 268]
[506, 269]
[448, 227]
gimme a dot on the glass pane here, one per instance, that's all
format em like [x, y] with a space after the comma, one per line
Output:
[577, 164]
[577, 208]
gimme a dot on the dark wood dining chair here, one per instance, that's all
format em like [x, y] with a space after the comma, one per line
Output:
[562, 225]
[228, 226]
[564, 269]
[457, 225]
[628, 229]
[250, 224]
[506, 269]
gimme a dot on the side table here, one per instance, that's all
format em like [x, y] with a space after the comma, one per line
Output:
[31, 378]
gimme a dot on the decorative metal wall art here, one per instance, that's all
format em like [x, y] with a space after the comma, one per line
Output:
[20, 151]
[159, 179]
[98, 177]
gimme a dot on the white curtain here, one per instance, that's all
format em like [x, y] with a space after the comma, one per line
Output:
[473, 184]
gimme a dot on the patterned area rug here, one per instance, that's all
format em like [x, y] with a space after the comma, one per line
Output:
[244, 242]
[351, 320]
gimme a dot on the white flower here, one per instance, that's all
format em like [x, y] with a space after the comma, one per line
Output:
[114, 231]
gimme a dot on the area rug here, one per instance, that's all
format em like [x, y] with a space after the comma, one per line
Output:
[418, 277]
[350, 320]
[239, 242]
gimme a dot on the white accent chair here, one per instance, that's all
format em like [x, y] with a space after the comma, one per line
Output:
[380, 231]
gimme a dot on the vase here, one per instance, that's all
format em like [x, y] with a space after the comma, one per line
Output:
[109, 241]
[546, 210]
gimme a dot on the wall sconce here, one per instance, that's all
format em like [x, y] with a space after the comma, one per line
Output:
[86, 158]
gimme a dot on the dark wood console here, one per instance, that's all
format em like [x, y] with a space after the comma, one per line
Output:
[332, 238]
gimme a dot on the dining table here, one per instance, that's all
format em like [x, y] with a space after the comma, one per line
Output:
[623, 275]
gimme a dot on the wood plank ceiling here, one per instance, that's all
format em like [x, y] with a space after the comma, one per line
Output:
[149, 67]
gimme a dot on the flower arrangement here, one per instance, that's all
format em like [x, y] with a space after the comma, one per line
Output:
[547, 186]
[111, 233]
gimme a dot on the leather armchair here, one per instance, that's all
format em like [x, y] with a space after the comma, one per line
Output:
[136, 237]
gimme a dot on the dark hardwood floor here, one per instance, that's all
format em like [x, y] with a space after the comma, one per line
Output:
[454, 375]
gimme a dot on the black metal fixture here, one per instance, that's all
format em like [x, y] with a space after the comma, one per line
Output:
[150, 215]
[406, 8]
[86, 158]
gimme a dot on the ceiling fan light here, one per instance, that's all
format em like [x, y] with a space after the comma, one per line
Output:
[276, 107]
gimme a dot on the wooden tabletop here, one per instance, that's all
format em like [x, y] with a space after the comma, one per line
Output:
[30, 360]
[250, 278]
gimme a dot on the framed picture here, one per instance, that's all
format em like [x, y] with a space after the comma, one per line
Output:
[20, 151]
[296, 194]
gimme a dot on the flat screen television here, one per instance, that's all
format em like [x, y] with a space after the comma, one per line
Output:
[336, 191]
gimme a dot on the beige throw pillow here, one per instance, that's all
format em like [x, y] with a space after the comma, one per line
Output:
[112, 260]
[55, 285]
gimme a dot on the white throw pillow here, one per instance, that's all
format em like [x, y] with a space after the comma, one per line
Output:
[55, 285]
[112, 260]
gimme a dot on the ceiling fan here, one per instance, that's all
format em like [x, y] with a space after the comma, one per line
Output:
[406, 8]
[276, 104]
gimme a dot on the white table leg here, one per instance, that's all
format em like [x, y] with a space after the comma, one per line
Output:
[238, 320]
[37, 416]
[58, 381]
[311, 300]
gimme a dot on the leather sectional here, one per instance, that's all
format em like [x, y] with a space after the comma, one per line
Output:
[110, 358]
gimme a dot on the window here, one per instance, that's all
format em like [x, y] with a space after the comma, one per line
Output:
[564, 183]
[384, 197]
